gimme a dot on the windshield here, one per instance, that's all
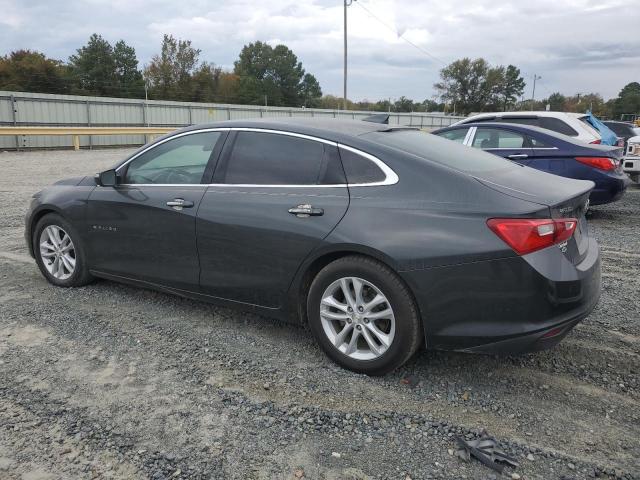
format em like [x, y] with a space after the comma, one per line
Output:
[446, 152]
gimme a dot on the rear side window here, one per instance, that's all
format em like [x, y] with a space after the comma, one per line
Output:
[360, 169]
[487, 138]
[274, 159]
[557, 125]
[455, 135]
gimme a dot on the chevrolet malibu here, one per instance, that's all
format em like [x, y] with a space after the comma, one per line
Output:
[381, 239]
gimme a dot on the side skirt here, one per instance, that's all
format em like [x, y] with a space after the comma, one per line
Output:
[277, 313]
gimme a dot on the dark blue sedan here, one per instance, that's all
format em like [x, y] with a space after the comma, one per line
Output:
[550, 152]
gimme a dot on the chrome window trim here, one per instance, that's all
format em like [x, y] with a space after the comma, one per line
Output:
[391, 178]
[154, 145]
[471, 134]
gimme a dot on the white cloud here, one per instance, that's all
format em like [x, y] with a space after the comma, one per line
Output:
[576, 45]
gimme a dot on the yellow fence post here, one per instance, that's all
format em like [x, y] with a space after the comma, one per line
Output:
[76, 142]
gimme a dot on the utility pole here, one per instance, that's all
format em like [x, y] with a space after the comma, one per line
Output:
[347, 3]
[533, 94]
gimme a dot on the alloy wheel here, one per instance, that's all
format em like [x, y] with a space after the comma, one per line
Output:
[357, 318]
[57, 252]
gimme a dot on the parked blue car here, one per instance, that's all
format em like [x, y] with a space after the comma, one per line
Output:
[550, 152]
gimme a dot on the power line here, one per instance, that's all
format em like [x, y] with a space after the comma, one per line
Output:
[393, 29]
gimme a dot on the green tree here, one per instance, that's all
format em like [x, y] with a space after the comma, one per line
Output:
[470, 85]
[556, 102]
[128, 76]
[403, 104]
[628, 100]
[93, 68]
[512, 87]
[274, 72]
[205, 83]
[310, 91]
[28, 71]
[169, 74]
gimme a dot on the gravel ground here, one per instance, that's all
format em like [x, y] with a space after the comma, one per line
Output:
[110, 381]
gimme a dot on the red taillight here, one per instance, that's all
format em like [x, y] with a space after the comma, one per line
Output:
[526, 235]
[553, 332]
[596, 142]
[601, 163]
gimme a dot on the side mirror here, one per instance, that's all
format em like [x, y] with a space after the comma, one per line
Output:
[108, 178]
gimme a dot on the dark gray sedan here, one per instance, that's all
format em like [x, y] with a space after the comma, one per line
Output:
[378, 238]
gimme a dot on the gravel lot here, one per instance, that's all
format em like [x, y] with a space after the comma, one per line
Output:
[110, 381]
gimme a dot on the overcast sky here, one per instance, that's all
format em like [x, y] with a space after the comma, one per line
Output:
[577, 46]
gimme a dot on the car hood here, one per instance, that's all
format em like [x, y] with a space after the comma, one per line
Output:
[74, 181]
[534, 185]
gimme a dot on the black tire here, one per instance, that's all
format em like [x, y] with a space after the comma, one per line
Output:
[408, 326]
[80, 275]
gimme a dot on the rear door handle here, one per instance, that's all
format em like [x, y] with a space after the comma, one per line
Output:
[518, 156]
[179, 203]
[306, 210]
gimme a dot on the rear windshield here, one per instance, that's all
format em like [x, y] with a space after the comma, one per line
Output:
[588, 126]
[446, 152]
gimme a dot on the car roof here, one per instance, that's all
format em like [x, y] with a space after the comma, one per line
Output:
[328, 128]
[525, 114]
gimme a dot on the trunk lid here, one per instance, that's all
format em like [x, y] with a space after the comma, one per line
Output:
[564, 197]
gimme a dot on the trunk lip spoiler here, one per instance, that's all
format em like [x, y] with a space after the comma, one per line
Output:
[505, 189]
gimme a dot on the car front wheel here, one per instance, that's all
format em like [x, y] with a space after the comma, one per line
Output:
[363, 316]
[59, 252]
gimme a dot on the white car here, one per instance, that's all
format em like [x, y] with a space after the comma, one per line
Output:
[631, 160]
[571, 124]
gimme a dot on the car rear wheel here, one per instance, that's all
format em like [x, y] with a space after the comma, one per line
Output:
[363, 316]
[59, 252]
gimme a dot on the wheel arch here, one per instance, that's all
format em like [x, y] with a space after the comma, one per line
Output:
[35, 218]
[299, 288]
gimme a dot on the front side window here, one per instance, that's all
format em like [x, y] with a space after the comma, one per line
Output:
[181, 160]
[455, 135]
[488, 138]
[274, 159]
[537, 143]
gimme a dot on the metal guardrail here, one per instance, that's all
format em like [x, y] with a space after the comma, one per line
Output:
[23, 109]
[75, 132]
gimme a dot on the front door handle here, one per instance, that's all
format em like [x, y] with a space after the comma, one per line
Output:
[518, 156]
[179, 203]
[306, 210]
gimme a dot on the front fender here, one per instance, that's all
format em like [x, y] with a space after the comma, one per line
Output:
[67, 200]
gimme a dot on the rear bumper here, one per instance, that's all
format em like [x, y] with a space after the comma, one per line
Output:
[609, 189]
[631, 164]
[529, 342]
[509, 305]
